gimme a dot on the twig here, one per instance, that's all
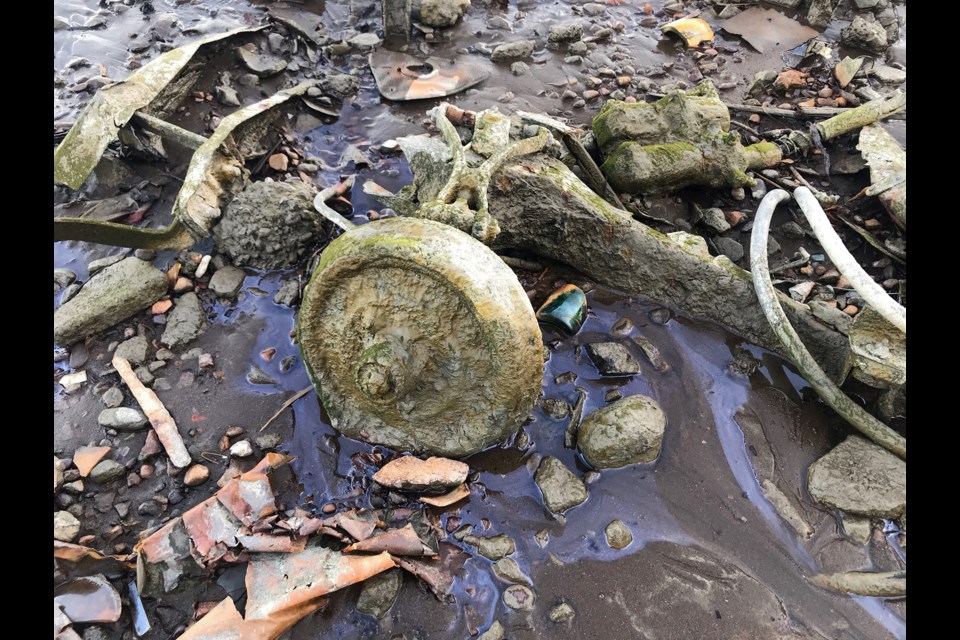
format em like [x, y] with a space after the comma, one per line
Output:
[286, 405]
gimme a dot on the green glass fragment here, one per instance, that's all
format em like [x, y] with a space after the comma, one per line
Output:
[565, 309]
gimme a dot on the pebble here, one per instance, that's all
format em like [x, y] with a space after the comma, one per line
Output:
[561, 613]
[148, 508]
[242, 449]
[66, 527]
[519, 597]
[196, 475]
[122, 419]
[618, 535]
[107, 471]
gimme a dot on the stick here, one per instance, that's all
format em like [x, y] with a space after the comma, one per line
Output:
[159, 417]
[286, 405]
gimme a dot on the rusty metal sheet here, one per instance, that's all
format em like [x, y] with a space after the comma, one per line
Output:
[212, 528]
[113, 106]
[399, 542]
[768, 30]
[164, 557]
[77, 560]
[89, 599]
[249, 497]
[437, 573]
[403, 77]
[86, 458]
[262, 543]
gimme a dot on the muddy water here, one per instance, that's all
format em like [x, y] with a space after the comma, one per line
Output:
[710, 557]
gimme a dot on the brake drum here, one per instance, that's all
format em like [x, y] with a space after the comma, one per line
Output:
[419, 337]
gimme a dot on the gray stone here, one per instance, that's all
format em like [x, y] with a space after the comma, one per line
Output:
[145, 375]
[612, 359]
[714, 220]
[226, 96]
[66, 527]
[275, 42]
[95, 266]
[122, 419]
[888, 75]
[508, 569]
[184, 322]
[226, 282]
[624, 432]
[107, 471]
[730, 248]
[594, 8]
[555, 408]
[561, 489]
[561, 613]
[860, 477]
[242, 449]
[63, 278]
[493, 547]
[113, 295]
[270, 225]
[519, 68]
[578, 48]
[495, 632]
[289, 293]
[565, 32]
[248, 80]
[499, 22]
[792, 230]
[340, 85]
[442, 13]
[261, 64]
[865, 4]
[512, 51]
[74, 488]
[618, 535]
[256, 375]
[857, 528]
[135, 350]
[365, 41]
[70, 292]
[862, 34]
[519, 597]
[380, 592]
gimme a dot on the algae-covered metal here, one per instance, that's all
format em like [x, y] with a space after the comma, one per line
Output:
[420, 338]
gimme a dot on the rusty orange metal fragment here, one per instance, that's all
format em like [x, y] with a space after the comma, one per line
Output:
[437, 573]
[86, 458]
[399, 542]
[262, 543]
[76, 559]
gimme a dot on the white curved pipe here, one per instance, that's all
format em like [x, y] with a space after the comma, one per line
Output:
[850, 411]
[846, 264]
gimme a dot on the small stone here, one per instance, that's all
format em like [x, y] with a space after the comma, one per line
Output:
[593, 8]
[102, 263]
[185, 322]
[278, 161]
[565, 32]
[365, 41]
[256, 375]
[857, 528]
[519, 68]
[63, 278]
[66, 527]
[561, 613]
[196, 475]
[107, 471]
[578, 48]
[612, 359]
[135, 350]
[730, 248]
[591, 94]
[112, 397]
[289, 293]
[508, 569]
[625, 432]
[561, 489]
[226, 282]
[715, 220]
[863, 34]
[227, 96]
[618, 535]
[860, 477]
[512, 51]
[519, 597]
[242, 449]
[148, 509]
[380, 592]
[492, 548]
[122, 419]
[495, 632]
[851, 310]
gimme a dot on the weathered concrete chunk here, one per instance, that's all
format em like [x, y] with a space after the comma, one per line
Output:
[612, 359]
[185, 322]
[226, 282]
[860, 477]
[113, 295]
[66, 527]
[442, 13]
[122, 419]
[561, 489]
[624, 432]
[565, 31]
[135, 350]
[512, 51]
[863, 34]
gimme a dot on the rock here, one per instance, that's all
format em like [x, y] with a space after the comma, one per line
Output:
[519, 68]
[561, 613]
[578, 48]
[122, 419]
[226, 96]
[494, 547]
[365, 41]
[226, 282]
[135, 350]
[499, 22]
[561, 489]
[63, 278]
[618, 535]
[262, 65]
[60, 23]
[508, 569]
[612, 359]
[380, 592]
[256, 375]
[730, 248]
[442, 13]
[862, 34]
[888, 75]
[519, 597]
[857, 528]
[340, 86]
[66, 528]
[410, 473]
[248, 80]
[95, 266]
[860, 477]
[555, 408]
[715, 220]
[278, 162]
[289, 293]
[242, 449]
[270, 225]
[512, 51]
[58, 473]
[185, 322]
[196, 475]
[148, 509]
[113, 295]
[107, 471]
[865, 4]
[495, 632]
[593, 8]
[565, 31]
[624, 432]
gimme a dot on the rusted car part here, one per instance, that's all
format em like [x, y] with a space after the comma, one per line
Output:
[793, 346]
[419, 337]
[681, 139]
[215, 174]
[403, 77]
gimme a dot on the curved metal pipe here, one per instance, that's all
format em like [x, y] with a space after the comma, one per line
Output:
[853, 413]
[846, 263]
